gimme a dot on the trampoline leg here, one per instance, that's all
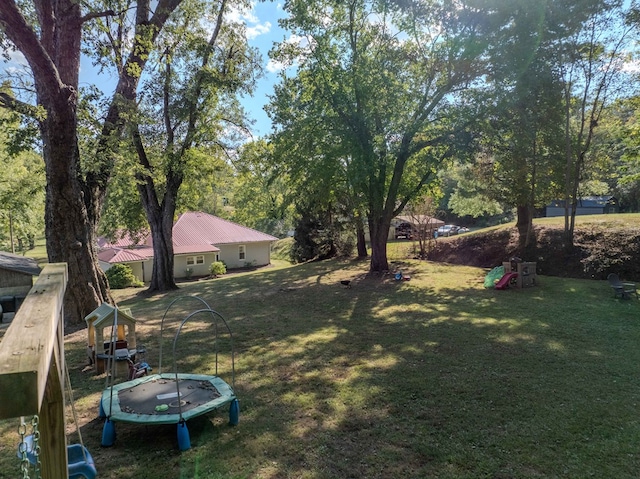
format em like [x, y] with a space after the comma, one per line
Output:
[184, 441]
[108, 433]
[234, 413]
[101, 413]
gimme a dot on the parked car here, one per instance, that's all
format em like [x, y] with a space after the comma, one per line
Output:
[446, 230]
[404, 230]
[463, 229]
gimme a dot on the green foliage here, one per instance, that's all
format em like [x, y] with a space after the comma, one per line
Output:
[282, 249]
[376, 105]
[121, 276]
[319, 236]
[22, 187]
[217, 268]
[263, 193]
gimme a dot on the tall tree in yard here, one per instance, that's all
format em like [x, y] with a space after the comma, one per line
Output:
[188, 115]
[591, 61]
[49, 35]
[381, 80]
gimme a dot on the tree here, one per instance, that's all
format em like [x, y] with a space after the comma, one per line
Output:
[49, 35]
[262, 196]
[21, 187]
[525, 142]
[422, 212]
[591, 62]
[187, 110]
[380, 81]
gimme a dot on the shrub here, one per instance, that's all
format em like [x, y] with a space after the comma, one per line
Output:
[121, 276]
[217, 268]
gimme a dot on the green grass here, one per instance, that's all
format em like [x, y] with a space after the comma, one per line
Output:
[433, 377]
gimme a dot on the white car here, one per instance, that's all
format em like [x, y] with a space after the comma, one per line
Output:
[446, 230]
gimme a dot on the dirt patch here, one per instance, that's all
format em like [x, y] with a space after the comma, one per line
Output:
[597, 251]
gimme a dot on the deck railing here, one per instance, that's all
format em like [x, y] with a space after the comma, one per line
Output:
[32, 368]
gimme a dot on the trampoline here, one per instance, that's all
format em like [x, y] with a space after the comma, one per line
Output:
[171, 398]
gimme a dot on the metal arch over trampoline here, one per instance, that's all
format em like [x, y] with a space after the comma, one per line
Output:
[170, 398]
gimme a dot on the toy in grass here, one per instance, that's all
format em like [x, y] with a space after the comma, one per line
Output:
[171, 398]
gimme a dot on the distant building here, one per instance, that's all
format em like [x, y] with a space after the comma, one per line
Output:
[198, 240]
[589, 205]
[17, 275]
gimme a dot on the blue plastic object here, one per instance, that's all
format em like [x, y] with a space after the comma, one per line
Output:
[81, 463]
[79, 459]
[108, 433]
[101, 413]
[234, 413]
[184, 441]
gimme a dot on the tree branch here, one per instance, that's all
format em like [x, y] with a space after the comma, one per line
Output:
[93, 15]
[10, 103]
[25, 39]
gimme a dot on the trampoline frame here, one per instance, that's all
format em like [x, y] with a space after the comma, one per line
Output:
[110, 407]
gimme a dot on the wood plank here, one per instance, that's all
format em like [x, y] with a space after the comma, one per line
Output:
[27, 348]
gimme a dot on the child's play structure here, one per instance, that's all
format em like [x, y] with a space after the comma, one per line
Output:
[33, 373]
[120, 349]
[513, 273]
[171, 397]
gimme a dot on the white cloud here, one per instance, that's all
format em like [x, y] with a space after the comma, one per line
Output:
[257, 30]
[254, 27]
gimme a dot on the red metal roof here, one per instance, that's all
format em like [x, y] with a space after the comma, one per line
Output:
[194, 232]
[125, 240]
[202, 228]
[194, 248]
[126, 255]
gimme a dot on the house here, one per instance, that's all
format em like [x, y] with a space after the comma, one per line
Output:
[16, 279]
[589, 205]
[199, 239]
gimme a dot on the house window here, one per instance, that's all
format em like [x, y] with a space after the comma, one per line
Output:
[191, 260]
[242, 252]
[217, 257]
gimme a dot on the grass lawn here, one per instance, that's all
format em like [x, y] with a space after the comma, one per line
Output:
[434, 377]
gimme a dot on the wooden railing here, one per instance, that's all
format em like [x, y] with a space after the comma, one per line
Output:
[32, 368]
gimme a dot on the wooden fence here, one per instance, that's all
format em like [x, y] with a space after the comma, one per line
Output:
[32, 369]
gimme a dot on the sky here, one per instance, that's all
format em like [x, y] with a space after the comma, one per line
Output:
[262, 31]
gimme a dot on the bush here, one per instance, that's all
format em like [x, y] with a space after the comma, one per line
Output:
[282, 249]
[121, 276]
[217, 268]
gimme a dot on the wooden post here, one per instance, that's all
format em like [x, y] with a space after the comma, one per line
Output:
[32, 368]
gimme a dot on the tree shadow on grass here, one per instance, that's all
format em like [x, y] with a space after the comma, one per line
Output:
[413, 379]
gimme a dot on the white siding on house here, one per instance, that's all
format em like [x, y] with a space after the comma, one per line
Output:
[140, 269]
[180, 264]
[557, 211]
[256, 254]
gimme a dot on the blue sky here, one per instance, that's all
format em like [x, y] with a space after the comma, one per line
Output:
[262, 30]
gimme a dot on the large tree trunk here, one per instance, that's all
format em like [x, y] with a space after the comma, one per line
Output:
[70, 224]
[379, 231]
[524, 226]
[162, 278]
[360, 239]
[70, 235]
[160, 217]
[51, 47]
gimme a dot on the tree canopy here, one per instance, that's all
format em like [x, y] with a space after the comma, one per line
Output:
[376, 85]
